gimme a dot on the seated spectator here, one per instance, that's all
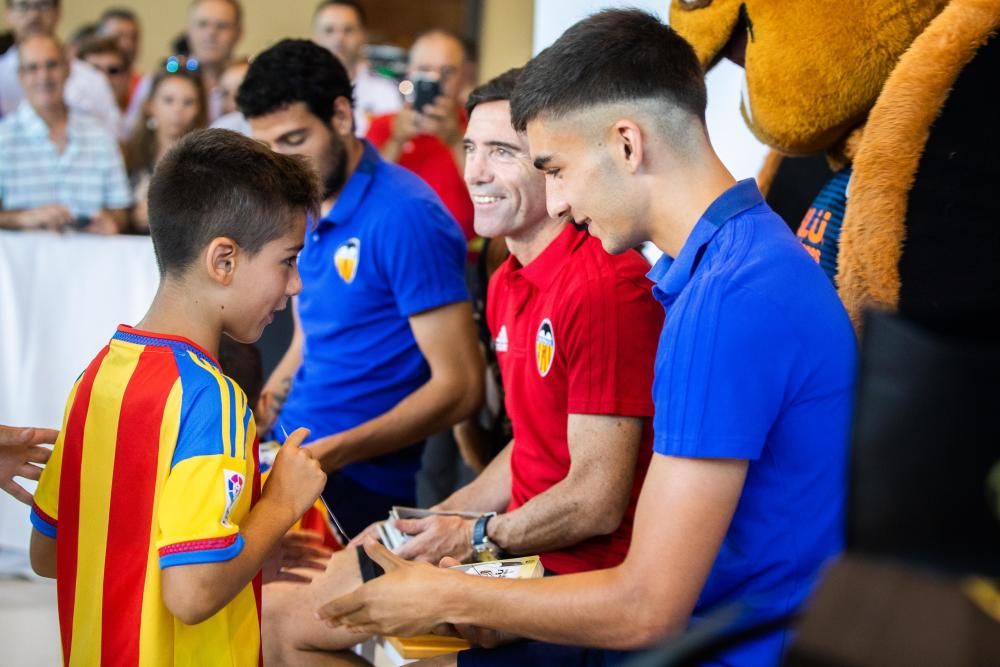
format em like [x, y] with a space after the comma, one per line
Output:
[103, 54]
[60, 167]
[229, 84]
[428, 141]
[340, 27]
[86, 90]
[175, 107]
[214, 29]
[122, 25]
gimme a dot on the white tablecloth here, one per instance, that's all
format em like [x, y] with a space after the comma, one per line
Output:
[61, 297]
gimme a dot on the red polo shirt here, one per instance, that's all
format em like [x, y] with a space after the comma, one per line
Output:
[430, 158]
[576, 333]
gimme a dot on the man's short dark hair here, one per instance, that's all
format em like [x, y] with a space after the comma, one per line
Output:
[353, 4]
[120, 13]
[294, 70]
[497, 89]
[617, 55]
[219, 183]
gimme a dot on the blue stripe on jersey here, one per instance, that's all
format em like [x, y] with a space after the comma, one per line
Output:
[201, 411]
[232, 416]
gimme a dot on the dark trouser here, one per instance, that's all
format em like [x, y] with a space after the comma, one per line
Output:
[442, 470]
[355, 505]
[529, 654]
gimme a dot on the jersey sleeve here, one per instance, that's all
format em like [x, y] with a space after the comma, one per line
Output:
[611, 342]
[424, 259]
[721, 385]
[205, 494]
[45, 508]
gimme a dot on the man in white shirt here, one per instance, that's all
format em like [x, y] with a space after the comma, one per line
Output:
[60, 167]
[87, 90]
[339, 26]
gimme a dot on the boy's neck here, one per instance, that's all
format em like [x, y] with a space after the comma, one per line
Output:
[682, 197]
[179, 312]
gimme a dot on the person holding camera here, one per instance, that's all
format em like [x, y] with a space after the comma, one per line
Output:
[426, 135]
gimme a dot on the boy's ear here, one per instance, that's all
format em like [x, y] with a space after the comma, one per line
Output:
[627, 143]
[221, 258]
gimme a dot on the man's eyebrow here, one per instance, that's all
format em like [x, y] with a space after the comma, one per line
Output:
[295, 248]
[542, 161]
[503, 144]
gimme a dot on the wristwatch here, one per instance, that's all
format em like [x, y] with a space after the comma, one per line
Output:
[482, 547]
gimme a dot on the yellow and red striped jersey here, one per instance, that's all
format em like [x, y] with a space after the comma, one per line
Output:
[155, 467]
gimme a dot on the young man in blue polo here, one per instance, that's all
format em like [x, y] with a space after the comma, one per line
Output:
[385, 352]
[744, 498]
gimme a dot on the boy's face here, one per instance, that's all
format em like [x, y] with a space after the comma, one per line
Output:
[584, 182]
[263, 283]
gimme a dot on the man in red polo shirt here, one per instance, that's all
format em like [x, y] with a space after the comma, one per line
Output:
[575, 331]
[428, 141]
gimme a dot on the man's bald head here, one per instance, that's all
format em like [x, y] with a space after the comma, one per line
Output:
[441, 53]
[42, 71]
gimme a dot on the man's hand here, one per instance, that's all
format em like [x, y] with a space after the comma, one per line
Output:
[103, 222]
[405, 125]
[402, 602]
[474, 634]
[51, 216]
[296, 480]
[362, 537]
[298, 549]
[435, 537]
[441, 120]
[20, 449]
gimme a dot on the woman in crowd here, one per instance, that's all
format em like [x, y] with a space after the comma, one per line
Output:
[175, 106]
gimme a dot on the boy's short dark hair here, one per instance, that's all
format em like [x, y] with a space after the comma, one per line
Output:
[353, 4]
[617, 55]
[497, 89]
[294, 70]
[219, 183]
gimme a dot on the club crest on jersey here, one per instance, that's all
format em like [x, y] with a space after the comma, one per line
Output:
[501, 342]
[545, 347]
[346, 259]
[234, 486]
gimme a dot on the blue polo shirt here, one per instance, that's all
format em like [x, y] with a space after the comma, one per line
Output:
[757, 361]
[387, 250]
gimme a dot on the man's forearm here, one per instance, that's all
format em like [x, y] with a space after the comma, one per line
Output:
[488, 492]
[603, 608]
[432, 408]
[391, 150]
[563, 515]
[10, 220]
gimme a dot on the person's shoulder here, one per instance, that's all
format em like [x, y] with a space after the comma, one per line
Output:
[596, 269]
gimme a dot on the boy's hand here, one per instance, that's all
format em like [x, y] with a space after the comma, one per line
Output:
[296, 480]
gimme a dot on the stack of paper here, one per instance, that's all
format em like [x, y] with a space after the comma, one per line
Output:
[391, 536]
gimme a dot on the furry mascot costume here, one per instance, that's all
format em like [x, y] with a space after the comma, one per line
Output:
[900, 96]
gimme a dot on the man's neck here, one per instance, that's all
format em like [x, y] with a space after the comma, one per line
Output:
[54, 117]
[682, 196]
[532, 242]
[177, 311]
[355, 148]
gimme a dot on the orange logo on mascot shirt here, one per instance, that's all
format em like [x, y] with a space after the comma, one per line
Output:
[545, 347]
[346, 259]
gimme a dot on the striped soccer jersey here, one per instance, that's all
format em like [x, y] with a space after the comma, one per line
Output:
[155, 466]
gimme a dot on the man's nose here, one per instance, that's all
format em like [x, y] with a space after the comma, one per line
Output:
[477, 169]
[555, 202]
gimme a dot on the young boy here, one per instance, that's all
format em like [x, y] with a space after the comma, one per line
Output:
[150, 514]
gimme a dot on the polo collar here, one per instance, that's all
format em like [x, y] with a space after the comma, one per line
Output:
[550, 262]
[671, 275]
[356, 188]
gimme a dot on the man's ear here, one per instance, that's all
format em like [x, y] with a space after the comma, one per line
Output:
[221, 258]
[627, 144]
[343, 117]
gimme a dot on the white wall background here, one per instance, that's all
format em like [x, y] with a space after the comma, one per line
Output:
[734, 143]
